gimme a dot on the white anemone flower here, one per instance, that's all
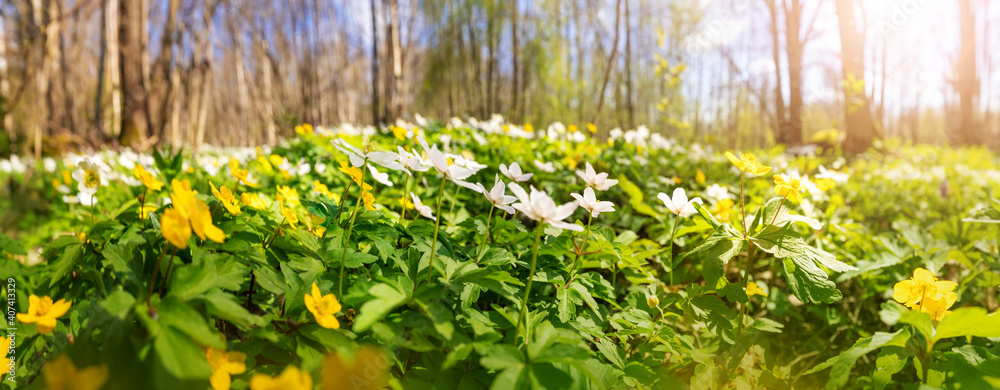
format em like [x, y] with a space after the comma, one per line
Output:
[514, 172]
[590, 203]
[86, 199]
[599, 181]
[380, 177]
[497, 195]
[88, 175]
[679, 204]
[452, 172]
[717, 192]
[424, 210]
[837, 177]
[70, 199]
[540, 207]
[385, 159]
[547, 167]
[412, 161]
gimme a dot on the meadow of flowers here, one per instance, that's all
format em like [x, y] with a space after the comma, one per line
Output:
[483, 254]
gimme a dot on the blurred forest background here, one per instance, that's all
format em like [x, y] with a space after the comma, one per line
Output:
[744, 73]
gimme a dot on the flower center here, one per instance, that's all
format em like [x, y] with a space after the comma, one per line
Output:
[90, 179]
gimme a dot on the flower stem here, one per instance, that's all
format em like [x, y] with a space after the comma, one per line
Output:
[673, 230]
[745, 280]
[579, 251]
[343, 199]
[166, 274]
[527, 287]
[778, 210]
[152, 279]
[487, 235]
[437, 226]
[402, 213]
[350, 227]
[743, 209]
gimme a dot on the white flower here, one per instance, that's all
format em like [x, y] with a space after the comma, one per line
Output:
[70, 199]
[468, 162]
[680, 205]
[385, 159]
[452, 172]
[547, 167]
[320, 168]
[717, 192]
[497, 197]
[420, 120]
[599, 181]
[514, 172]
[589, 202]
[380, 177]
[86, 199]
[540, 207]
[50, 164]
[837, 177]
[423, 209]
[412, 161]
[88, 175]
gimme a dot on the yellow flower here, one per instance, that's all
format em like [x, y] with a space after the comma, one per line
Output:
[789, 188]
[276, 159]
[145, 210]
[677, 180]
[67, 177]
[369, 363]
[722, 209]
[227, 198]
[398, 132]
[825, 184]
[288, 194]
[43, 313]
[324, 190]
[527, 127]
[289, 215]
[592, 128]
[304, 129]
[323, 307]
[754, 289]
[195, 211]
[290, 379]
[368, 199]
[61, 373]
[699, 177]
[354, 172]
[147, 178]
[921, 286]
[253, 200]
[748, 163]
[573, 128]
[406, 203]
[175, 228]
[938, 304]
[240, 174]
[319, 231]
[224, 364]
[652, 301]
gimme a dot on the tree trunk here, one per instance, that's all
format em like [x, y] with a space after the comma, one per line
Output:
[780, 122]
[611, 62]
[376, 118]
[135, 116]
[397, 61]
[860, 128]
[967, 83]
[791, 134]
[628, 67]
[6, 119]
[515, 89]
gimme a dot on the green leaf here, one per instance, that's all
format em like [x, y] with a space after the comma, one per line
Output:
[501, 357]
[186, 319]
[181, 357]
[190, 280]
[968, 321]
[785, 215]
[808, 282]
[890, 361]
[635, 196]
[842, 363]
[386, 298]
[920, 320]
[67, 262]
[223, 305]
[11, 246]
